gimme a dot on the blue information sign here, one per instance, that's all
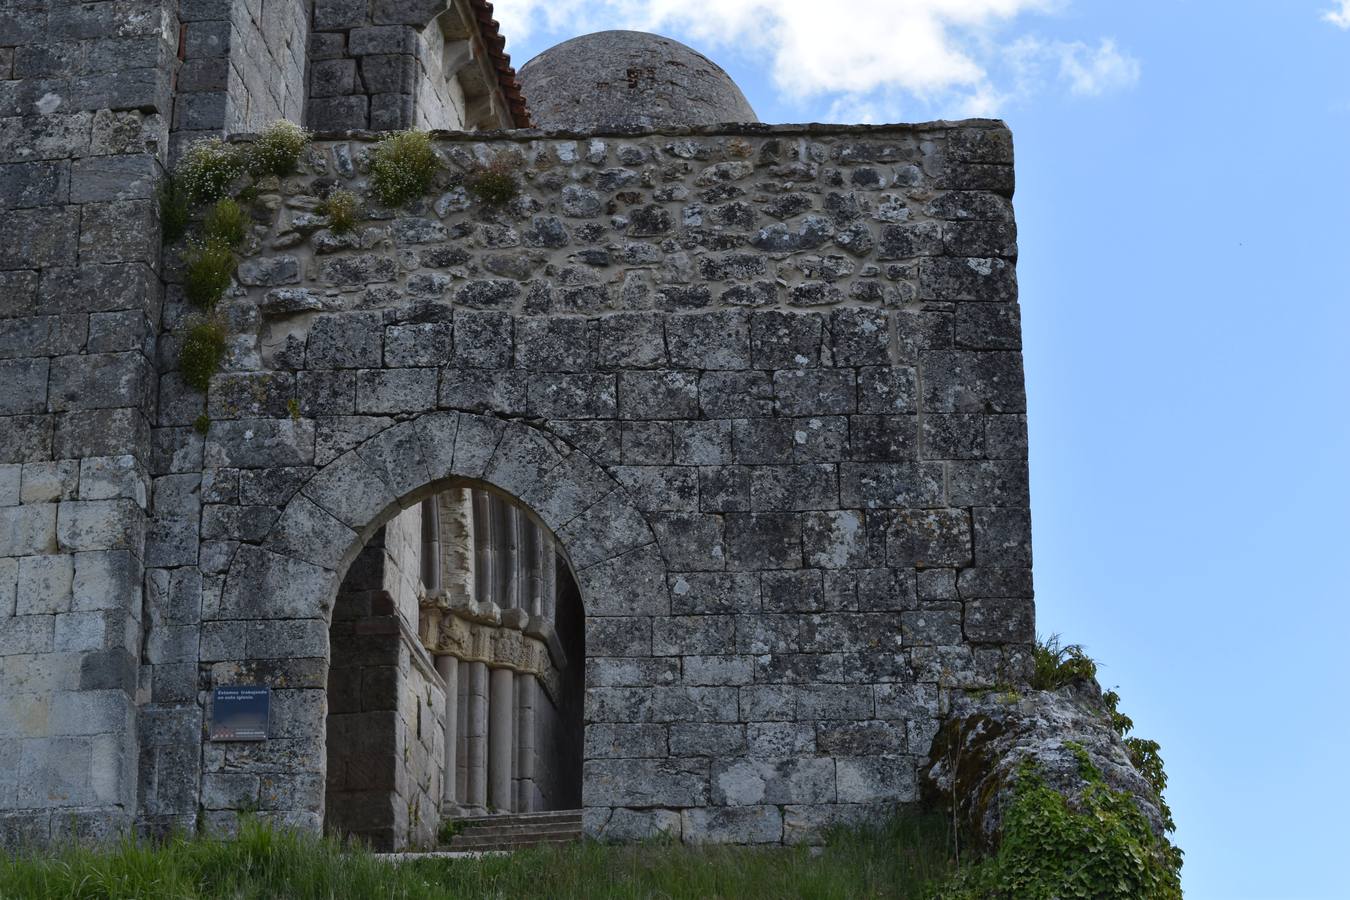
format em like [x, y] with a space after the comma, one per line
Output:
[240, 713]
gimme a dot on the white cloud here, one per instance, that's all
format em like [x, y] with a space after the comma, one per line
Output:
[861, 54]
[1085, 71]
[1339, 17]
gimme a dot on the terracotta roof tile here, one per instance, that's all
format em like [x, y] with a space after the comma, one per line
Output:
[501, 61]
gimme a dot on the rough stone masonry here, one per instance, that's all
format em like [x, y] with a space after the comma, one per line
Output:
[762, 383]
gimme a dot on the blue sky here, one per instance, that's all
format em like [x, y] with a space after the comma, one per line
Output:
[1183, 194]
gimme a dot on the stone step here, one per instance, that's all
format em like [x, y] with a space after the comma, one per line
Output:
[504, 846]
[569, 816]
[548, 828]
[514, 831]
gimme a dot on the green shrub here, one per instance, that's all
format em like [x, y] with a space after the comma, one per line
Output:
[403, 167]
[202, 424]
[174, 211]
[207, 170]
[342, 208]
[226, 223]
[203, 349]
[1145, 755]
[1104, 850]
[276, 151]
[494, 185]
[1058, 664]
[209, 268]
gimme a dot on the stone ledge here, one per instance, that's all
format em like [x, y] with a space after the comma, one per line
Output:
[730, 129]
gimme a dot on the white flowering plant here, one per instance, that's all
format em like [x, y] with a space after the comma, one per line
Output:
[276, 151]
[403, 167]
[207, 170]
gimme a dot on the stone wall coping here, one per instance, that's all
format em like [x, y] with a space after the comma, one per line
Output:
[730, 129]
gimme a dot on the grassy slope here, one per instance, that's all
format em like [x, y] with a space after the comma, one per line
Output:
[900, 860]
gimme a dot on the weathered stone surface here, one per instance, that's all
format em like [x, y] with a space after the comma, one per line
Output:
[993, 734]
[263, 585]
[739, 825]
[748, 782]
[641, 782]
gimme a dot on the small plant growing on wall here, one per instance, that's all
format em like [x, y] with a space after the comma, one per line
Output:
[203, 349]
[276, 151]
[207, 170]
[342, 208]
[174, 212]
[403, 167]
[494, 185]
[226, 223]
[209, 269]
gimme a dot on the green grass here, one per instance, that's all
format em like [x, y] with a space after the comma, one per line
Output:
[1055, 663]
[903, 859]
[226, 223]
[208, 271]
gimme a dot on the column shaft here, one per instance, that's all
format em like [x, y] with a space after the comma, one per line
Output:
[501, 737]
[548, 577]
[525, 699]
[462, 738]
[484, 541]
[477, 795]
[448, 667]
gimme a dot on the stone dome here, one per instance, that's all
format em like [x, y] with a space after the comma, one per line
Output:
[621, 80]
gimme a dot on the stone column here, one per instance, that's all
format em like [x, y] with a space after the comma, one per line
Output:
[501, 554]
[501, 737]
[457, 542]
[548, 576]
[517, 596]
[431, 546]
[448, 666]
[533, 566]
[462, 737]
[484, 541]
[477, 773]
[525, 694]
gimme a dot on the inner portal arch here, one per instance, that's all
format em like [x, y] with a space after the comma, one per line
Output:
[456, 682]
[287, 590]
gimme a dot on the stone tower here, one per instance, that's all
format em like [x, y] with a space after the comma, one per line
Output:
[619, 80]
[681, 485]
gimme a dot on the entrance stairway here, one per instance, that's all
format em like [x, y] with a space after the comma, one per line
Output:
[515, 831]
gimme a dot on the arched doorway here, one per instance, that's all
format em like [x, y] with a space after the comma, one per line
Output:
[456, 683]
[286, 589]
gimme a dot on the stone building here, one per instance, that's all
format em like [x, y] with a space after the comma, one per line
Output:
[681, 488]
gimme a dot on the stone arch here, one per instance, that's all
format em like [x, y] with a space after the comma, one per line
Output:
[280, 591]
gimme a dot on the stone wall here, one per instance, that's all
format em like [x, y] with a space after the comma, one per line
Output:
[243, 65]
[385, 727]
[402, 541]
[84, 107]
[764, 384]
[440, 97]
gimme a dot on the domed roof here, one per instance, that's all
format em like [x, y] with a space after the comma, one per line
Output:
[620, 80]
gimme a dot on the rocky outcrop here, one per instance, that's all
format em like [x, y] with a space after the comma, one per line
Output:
[982, 744]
